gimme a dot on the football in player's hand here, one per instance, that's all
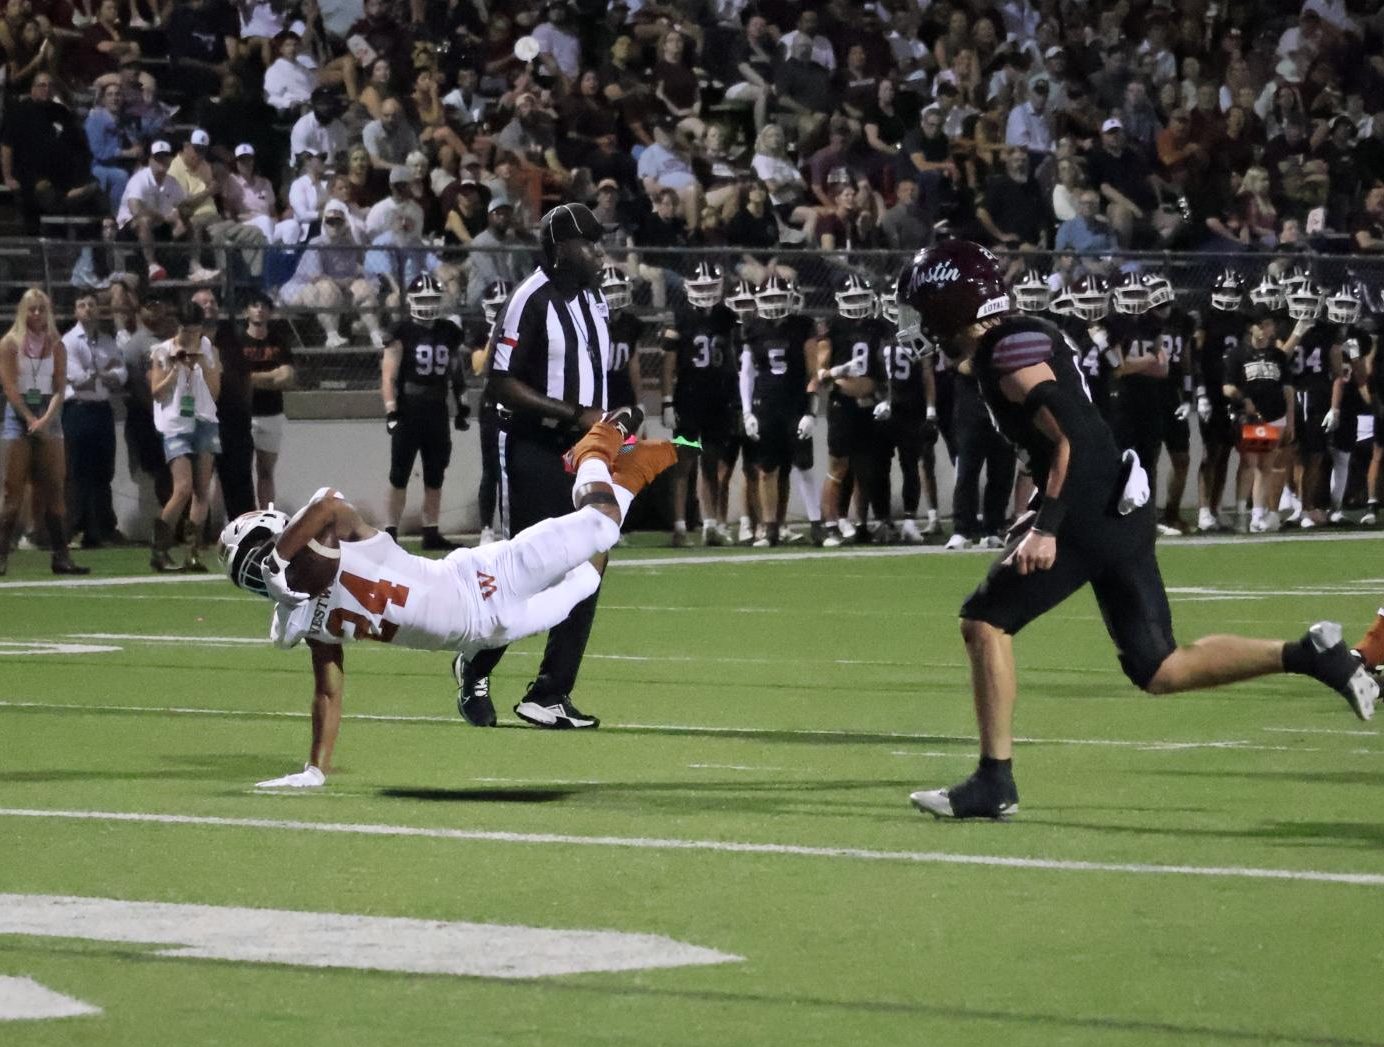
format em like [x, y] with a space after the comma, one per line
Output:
[313, 569]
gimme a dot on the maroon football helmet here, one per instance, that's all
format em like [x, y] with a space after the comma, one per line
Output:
[952, 286]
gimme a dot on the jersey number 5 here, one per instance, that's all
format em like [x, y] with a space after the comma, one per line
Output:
[374, 596]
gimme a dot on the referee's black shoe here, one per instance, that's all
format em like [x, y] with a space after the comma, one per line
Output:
[553, 712]
[473, 694]
[979, 796]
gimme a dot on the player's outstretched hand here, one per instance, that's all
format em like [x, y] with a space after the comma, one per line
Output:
[751, 427]
[309, 777]
[883, 411]
[1036, 552]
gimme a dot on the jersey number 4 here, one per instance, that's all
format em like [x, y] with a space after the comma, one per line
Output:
[374, 596]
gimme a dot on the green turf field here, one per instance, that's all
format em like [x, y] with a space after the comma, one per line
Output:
[1198, 870]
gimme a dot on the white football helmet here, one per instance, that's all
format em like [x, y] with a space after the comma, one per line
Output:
[1031, 292]
[1295, 280]
[741, 300]
[1160, 289]
[856, 300]
[1132, 297]
[1343, 307]
[1228, 292]
[615, 285]
[1268, 292]
[705, 287]
[1304, 300]
[777, 298]
[244, 544]
[424, 298]
[889, 305]
[494, 298]
[1090, 299]
[910, 337]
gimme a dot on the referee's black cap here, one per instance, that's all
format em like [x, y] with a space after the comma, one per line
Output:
[567, 222]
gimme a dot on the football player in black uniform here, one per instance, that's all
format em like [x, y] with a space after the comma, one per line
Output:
[1352, 398]
[1092, 523]
[905, 422]
[1261, 393]
[1080, 311]
[847, 365]
[622, 374]
[741, 302]
[779, 412]
[1175, 328]
[1221, 330]
[698, 397]
[417, 369]
[1143, 375]
[1315, 366]
[493, 300]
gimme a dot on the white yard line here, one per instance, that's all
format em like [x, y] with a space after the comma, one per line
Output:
[1319, 730]
[714, 846]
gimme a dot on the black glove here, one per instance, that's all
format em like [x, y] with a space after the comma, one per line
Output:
[391, 422]
[462, 420]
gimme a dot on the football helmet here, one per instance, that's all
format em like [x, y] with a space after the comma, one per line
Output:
[910, 336]
[1267, 292]
[1132, 297]
[493, 299]
[951, 286]
[777, 298]
[1061, 303]
[741, 300]
[1160, 290]
[424, 298]
[615, 285]
[1343, 307]
[856, 300]
[1297, 279]
[1090, 299]
[1031, 292]
[705, 286]
[1304, 300]
[1228, 292]
[889, 305]
[244, 544]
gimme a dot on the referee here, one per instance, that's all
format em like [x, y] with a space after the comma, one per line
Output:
[547, 374]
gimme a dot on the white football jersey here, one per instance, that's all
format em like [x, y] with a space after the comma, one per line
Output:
[383, 593]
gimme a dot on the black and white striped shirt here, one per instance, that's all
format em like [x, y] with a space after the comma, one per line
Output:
[556, 342]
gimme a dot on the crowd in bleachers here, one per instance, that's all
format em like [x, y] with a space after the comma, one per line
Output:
[745, 125]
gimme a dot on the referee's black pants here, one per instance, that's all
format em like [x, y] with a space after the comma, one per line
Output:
[534, 487]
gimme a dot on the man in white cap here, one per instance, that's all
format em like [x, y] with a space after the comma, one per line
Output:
[330, 276]
[151, 209]
[496, 258]
[250, 200]
[1129, 187]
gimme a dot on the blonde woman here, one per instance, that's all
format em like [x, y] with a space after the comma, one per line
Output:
[33, 371]
[184, 382]
[786, 185]
[1258, 216]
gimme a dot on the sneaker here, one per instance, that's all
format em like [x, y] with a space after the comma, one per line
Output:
[63, 565]
[1338, 517]
[335, 340]
[680, 540]
[1371, 515]
[990, 541]
[723, 530]
[1207, 522]
[833, 539]
[473, 695]
[762, 542]
[199, 275]
[1169, 531]
[1272, 523]
[629, 420]
[746, 535]
[909, 533]
[162, 562]
[819, 532]
[377, 339]
[487, 536]
[1334, 665]
[957, 542]
[714, 536]
[973, 798]
[933, 525]
[157, 273]
[846, 528]
[788, 536]
[433, 542]
[561, 715]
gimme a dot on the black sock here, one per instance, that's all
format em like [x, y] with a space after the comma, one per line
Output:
[996, 770]
[1299, 657]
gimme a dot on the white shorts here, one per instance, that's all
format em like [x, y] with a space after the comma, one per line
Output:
[268, 432]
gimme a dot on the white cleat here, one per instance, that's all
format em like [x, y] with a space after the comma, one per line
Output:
[957, 542]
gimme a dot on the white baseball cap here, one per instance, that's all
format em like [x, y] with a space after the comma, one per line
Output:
[160, 147]
[244, 149]
[1111, 125]
[200, 138]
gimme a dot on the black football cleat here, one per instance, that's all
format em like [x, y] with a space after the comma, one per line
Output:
[976, 797]
[1334, 665]
[628, 420]
[559, 714]
[473, 695]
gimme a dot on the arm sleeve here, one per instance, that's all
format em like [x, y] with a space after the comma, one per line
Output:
[746, 380]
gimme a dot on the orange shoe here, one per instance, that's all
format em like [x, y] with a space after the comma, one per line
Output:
[636, 466]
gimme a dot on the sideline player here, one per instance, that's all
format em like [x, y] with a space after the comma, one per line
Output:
[473, 600]
[492, 301]
[417, 369]
[1094, 523]
[1219, 334]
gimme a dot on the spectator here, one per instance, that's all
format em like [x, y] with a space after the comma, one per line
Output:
[1338, 150]
[366, 185]
[1234, 151]
[378, 88]
[1183, 161]
[1080, 117]
[666, 165]
[531, 139]
[956, 39]
[955, 112]
[1029, 126]
[1108, 85]
[833, 156]
[184, 381]
[250, 200]
[382, 215]
[1139, 118]
[95, 370]
[203, 41]
[1088, 233]
[234, 116]
[753, 58]
[306, 198]
[804, 90]
[263, 345]
[465, 100]
[1257, 215]
[1154, 57]
[926, 158]
[495, 254]
[1285, 151]
[1068, 188]
[586, 117]
[661, 227]
[466, 218]
[389, 139]
[627, 89]
[884, 127]
[320, 130]
[1367, 225]
[1369, 151]
[754, 227]
[151, 211]
[28, 48]
[380, 35]
[102, 45]
[43, 156]
[289, 81]
[1129, 187]
[1011, 212]
[109, 145]
[426, 111]
[675, 85]
[847, 226]
[200, 184]
[261, 22]
[819, 48]
[325, 52]
[331, 274]
[555, 37]
[856, 85]
[787, 188]
[903, 224]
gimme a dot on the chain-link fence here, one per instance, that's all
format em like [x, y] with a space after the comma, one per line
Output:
[334, 318]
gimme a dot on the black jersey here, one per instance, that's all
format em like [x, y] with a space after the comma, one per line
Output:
[1021, 342]
[265, 354]
[625, 332]
[1222, 333]
[1138, 337]
[855, 345]
[904, 378]
[1260, 375]
[1175, 329]
[429, 357]
[705, 346]
[776, 351]
[1311, 363]
[1098, 360]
